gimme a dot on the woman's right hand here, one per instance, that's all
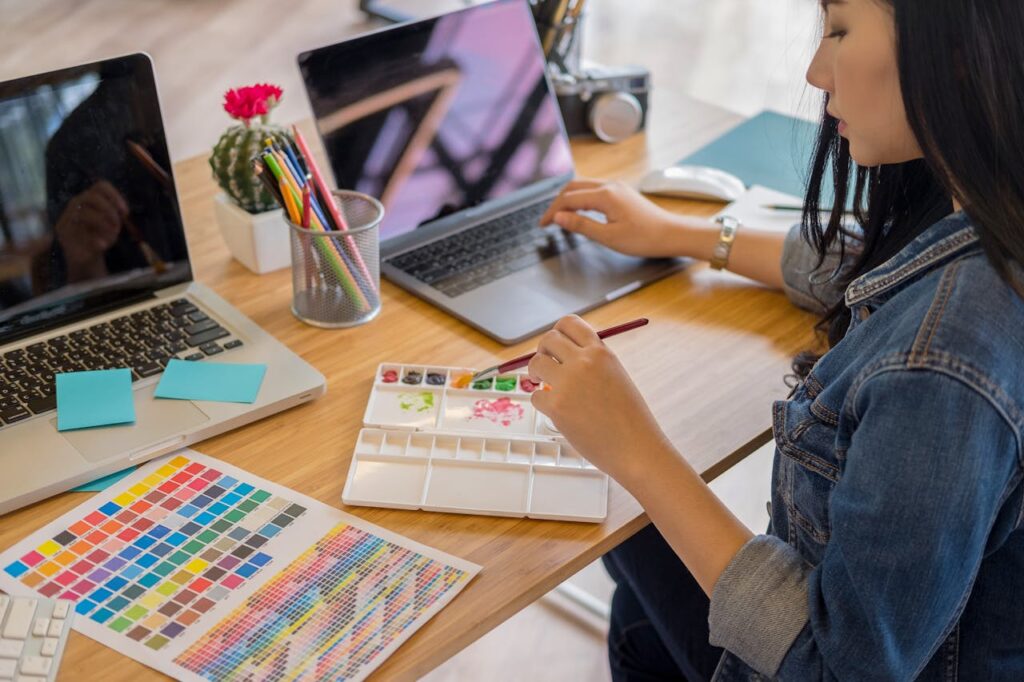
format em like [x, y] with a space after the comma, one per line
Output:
[635, 227]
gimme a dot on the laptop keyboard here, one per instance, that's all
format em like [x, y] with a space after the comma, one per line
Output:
[145, 341]
[483, 254]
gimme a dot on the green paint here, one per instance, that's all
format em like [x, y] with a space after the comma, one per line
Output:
[505, 383]
[235, 515]
[178, 558]
[482, 385]
[259, 495]
[207, 536]
[419, 402]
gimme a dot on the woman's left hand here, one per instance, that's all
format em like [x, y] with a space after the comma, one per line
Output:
[592, 401]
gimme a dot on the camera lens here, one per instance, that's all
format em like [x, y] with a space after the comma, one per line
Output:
[614, 116]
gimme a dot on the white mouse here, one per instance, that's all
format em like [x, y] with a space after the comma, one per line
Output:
[693, 182]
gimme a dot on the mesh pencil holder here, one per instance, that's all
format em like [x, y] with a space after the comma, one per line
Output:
[336, 274]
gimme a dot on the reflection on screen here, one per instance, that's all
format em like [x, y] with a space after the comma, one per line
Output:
[439, 116]
[87, 204]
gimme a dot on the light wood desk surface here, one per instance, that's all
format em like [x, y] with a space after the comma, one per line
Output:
[710, 364]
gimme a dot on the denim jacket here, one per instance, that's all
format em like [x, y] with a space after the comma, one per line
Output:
[895, 550]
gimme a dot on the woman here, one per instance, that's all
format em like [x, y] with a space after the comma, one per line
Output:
[895, 549]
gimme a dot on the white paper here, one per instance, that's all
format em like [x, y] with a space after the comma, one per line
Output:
[301, 535]
[749, 209]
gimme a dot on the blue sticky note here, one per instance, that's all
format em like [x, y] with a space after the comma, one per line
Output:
[103, 483]
[96, 398]
[216, 381]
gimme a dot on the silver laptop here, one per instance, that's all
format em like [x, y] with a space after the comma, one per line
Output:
[452, 123]
[95, 274]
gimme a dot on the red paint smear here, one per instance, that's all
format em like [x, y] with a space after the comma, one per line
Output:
[502, 411]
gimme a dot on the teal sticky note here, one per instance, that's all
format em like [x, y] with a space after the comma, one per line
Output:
[216, 381]
[103, 483]
[770, 149]
[97, 398]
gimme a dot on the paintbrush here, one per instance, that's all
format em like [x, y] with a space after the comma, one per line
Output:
[524, 360]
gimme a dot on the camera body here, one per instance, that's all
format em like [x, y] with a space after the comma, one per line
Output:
[608, 102]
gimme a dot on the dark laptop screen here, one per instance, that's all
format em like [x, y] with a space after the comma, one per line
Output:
[88, 213]
[439, 115]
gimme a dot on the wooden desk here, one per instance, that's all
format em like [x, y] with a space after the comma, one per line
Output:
[710, 364]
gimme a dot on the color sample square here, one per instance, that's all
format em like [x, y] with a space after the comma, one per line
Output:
[16, 569]
[94, 398]
[49, 548]
[32, 579]
[213, 381]
[120, 624]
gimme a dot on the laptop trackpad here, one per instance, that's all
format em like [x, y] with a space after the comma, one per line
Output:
[155, 420]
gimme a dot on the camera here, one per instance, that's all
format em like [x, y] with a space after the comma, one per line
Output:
[610, 103]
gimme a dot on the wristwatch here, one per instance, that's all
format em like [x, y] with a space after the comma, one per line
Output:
[720, 254]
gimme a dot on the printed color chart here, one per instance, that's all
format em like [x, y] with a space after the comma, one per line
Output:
[154, 563]
[328, 615]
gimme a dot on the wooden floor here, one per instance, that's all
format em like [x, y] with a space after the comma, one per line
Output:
[745, 55]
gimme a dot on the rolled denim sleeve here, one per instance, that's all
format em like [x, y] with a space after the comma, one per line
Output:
[808, 285]
[911, 518]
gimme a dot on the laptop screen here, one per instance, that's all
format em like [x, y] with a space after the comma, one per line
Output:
[88, 212]
[440, 115]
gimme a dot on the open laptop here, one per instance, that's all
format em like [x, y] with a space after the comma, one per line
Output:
[452, 123]
[95, 274]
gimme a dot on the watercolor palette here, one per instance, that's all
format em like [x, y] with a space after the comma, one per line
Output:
[439, 443]
[445, 399]
[206, 572]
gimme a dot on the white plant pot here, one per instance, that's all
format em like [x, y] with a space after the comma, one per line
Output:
[259, 241]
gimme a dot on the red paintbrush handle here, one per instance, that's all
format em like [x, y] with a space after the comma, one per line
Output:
[524, 360]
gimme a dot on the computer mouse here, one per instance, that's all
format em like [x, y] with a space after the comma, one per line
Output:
[693, 182]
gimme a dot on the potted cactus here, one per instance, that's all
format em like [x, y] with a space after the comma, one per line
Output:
[250, 219]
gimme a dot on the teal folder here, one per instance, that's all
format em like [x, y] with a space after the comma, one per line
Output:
[770, 149]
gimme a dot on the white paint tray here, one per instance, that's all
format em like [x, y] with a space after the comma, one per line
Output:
[433, 444]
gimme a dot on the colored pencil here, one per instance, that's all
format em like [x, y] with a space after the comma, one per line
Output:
[275, 190]
[306, 206]
[336, 263]
[296, 180]
[318, 179]
[524, 360]
[289, 203]
[328, 199]
[297, 177]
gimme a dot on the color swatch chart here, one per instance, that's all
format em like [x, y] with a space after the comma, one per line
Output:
[329, 615]
[154, 562]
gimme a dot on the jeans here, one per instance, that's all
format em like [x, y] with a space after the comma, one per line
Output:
[659, 621]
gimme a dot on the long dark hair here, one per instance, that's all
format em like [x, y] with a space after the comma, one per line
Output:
[961, 69]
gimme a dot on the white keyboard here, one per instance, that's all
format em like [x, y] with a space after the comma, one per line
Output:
[33, 632]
